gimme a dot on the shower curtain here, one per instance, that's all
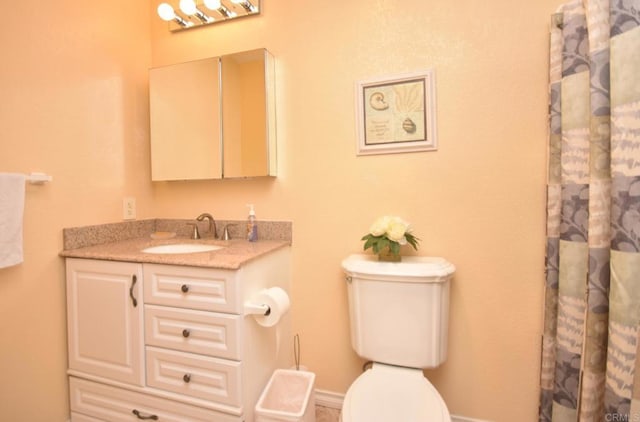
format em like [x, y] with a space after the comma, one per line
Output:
[590, 369]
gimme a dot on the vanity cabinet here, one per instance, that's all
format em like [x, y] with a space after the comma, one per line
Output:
[171, 343]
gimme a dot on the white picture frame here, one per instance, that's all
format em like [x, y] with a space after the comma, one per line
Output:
[396, 114]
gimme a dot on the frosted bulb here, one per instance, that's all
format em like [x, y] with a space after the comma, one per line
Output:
[188, 7]
[165, 11]
[212, 4]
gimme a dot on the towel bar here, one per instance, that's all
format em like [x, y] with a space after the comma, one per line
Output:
[38, 178]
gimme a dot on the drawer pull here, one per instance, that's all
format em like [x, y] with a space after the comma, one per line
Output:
[134, 301]
[141, 416]
[186, 333]
[184, 288]
[186, 378]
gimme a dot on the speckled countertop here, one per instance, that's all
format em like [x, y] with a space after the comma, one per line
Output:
[125, 241]
[232, 256]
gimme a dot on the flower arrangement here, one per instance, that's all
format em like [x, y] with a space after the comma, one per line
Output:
[387, 234]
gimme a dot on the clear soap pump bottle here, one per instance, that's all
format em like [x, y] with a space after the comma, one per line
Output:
[252, 228]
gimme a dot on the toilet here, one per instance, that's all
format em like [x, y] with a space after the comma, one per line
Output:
[399, 317]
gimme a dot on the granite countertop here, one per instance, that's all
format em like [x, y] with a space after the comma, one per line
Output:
[234, 254]
[125, 241]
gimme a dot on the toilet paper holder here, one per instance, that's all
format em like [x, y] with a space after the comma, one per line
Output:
[256, 309]
[268, 306]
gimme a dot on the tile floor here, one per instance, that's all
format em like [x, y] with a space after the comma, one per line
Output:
[327, 414]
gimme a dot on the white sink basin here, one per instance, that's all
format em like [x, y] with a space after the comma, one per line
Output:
[181, 248]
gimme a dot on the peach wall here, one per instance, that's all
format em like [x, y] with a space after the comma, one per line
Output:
[478, 200]
[74, 104]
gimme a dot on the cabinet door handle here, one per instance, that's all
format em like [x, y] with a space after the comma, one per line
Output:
[141, 416]
[186, 378]
[134, 279]
[184, 288]
[186, 333]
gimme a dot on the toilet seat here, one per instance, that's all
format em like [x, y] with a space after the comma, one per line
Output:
[392, 393]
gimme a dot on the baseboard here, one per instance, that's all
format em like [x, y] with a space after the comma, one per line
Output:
[329, 399]
[334, 401]
[455, 418]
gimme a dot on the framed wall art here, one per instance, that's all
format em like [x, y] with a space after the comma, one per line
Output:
[396, 114]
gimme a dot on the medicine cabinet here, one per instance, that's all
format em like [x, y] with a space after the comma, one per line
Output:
[213, 118]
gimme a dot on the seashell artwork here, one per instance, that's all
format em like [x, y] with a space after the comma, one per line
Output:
[409, 126]
[377, 102]
[409, 96]
[396, 114]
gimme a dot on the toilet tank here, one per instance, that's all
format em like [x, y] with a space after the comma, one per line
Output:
[399, 311]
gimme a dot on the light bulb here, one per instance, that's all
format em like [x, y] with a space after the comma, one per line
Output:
[165, 11]
[212, 4]
[188, 7]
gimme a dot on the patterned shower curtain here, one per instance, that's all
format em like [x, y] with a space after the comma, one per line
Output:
[590, 365]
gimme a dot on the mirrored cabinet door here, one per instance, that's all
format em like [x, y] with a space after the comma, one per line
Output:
[214, 118]
[245, 114]
[185, 125]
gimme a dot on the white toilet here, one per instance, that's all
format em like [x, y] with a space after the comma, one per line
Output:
[399, 321]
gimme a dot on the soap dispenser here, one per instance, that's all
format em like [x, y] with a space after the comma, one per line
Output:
[252, 228]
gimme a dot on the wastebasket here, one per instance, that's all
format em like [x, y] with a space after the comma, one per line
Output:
[289, 396]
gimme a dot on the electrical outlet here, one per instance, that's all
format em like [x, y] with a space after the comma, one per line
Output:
[129, 208]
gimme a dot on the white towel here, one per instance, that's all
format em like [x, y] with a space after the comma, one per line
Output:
[11, 214]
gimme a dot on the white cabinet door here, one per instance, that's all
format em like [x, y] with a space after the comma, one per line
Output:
[105, 320]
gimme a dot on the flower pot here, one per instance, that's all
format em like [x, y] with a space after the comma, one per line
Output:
[387, 256]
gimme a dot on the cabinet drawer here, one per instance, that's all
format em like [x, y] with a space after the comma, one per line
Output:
[190, 287]
[195, 375]
[206, 333]
[94, 401]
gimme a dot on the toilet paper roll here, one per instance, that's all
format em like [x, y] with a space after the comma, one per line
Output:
[278, 302]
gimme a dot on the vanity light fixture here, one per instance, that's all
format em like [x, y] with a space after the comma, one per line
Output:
[246, 4]
[220, 8]
[166, 13]
[189, 8]
[196, 13]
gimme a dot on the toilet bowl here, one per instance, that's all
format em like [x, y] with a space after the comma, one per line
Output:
[388, 393]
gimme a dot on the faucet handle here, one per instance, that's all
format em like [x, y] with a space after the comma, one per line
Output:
[225, 233]
[195, 234]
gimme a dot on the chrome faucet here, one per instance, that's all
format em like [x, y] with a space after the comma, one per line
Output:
[212, 223]
[194, 233]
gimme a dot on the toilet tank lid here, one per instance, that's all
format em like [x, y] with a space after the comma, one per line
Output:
[411, 268]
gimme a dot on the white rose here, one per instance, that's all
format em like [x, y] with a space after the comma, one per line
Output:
[380, 226]
[396, 230]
